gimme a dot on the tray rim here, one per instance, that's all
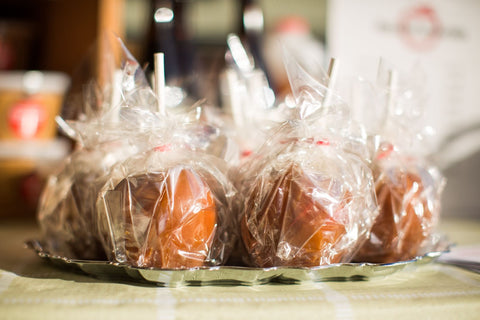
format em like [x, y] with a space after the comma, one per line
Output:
[235, 275]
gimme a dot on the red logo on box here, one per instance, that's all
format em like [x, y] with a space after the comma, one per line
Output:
[26, 118]
[420, 28]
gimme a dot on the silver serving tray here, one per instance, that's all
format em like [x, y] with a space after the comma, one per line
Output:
[233, 275]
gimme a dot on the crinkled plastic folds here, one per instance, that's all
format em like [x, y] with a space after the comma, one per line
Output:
[310, 204]
[408, 186]
[184, 189]
[163, 209]
[148, 191]
[310, 198]
[67, 214]
[408, 193]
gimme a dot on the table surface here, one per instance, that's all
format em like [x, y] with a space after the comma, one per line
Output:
[32, 288]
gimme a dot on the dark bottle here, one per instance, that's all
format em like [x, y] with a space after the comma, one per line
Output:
[252, 31]
[168, 34]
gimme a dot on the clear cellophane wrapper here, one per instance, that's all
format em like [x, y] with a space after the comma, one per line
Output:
[94, 119]
[118, 121]
[408, 185]
[167, 208]
[309, 191]
[247, 98]
[67, 213]
[408, 192]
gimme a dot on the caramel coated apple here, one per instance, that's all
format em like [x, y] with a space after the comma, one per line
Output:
[170, 219]
[404, 222]
[291, 225]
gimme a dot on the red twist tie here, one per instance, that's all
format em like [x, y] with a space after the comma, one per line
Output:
[246, 153]
[323, 142]
[385, 152]
[163, 148]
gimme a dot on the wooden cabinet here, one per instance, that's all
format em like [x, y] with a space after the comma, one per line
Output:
[61, 32]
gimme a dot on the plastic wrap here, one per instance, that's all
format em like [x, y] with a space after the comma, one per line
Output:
[408, 193]
[66, 213]
[310, 197]
[167, 209]
[205, 129]
[408, 186]
[247, 98]
[136, 166]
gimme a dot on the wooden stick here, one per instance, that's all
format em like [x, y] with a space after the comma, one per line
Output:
[381, 65]
[392, 87]
[234, 98]
[332, 79]
[160, 81]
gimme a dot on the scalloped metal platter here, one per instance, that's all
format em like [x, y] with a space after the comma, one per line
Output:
[232, 275]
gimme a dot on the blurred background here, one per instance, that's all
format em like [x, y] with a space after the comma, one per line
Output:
[45, 47]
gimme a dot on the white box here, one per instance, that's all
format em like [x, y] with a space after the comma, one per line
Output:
[442, 36]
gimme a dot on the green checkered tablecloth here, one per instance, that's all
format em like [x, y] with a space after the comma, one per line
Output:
[32, 288]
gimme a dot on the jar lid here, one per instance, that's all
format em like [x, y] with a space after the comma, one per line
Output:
[38, 150]
[34, 81]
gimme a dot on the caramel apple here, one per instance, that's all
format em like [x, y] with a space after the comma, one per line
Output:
[169, 219]
[407, 217]
[300, 219]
